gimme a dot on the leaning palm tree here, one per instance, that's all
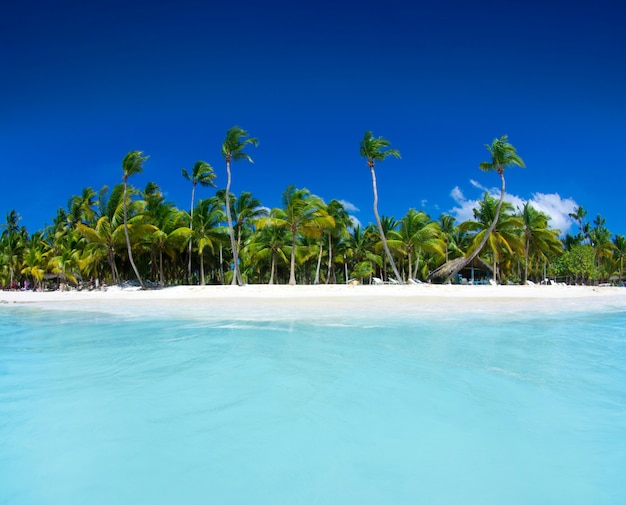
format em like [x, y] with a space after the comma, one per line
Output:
[232, 150]
[505, 236]
[376, 149]
[131, 165]
[503, 155]
[202, 173]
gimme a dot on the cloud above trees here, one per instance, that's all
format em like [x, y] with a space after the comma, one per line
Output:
[553, 205]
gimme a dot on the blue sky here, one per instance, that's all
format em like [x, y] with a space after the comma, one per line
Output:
[85, 82]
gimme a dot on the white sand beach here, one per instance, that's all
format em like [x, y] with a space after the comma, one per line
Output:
[262, 300]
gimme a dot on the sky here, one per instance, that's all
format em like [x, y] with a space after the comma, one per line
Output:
[85, 82]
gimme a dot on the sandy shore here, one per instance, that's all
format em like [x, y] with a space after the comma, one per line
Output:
[263, 300]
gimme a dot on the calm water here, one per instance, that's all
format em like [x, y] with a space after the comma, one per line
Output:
[433, 408]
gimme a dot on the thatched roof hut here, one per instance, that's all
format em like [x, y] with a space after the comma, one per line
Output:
[476, 269]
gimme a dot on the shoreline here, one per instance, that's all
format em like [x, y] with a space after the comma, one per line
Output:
[265, 301]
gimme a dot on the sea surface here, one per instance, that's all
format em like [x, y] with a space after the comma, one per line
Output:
[288, 406]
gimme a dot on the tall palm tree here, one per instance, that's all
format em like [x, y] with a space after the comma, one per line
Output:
[131, 164]
[503, 155]
[373, 150]
[202, 173]
[232, 149]
[303, 213]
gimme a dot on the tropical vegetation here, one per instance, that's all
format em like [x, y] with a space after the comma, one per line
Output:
[126, 235]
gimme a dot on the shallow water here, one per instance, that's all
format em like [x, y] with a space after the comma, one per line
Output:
[285, 408]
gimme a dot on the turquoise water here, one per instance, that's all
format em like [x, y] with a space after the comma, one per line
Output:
[434, 408]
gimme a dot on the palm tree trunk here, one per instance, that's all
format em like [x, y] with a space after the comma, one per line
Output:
[380, 226]
[221, 264]
[292, 269]
[130, 252]
[331, 272]
[273, 268]
[111, 259]
[527, 246]
[162, 277]
[202, 282]
[319, 263]
[236, 275]
[193, 190]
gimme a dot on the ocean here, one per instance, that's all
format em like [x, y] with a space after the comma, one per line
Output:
[197, 404]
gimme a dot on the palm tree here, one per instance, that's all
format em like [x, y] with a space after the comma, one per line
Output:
[131, 164]
[232, 149]
[375, 149]
[602, 246]
[247, 211]
[343, 222]
[303, 213]
[503, 155]
[494, 221]
[448, 232]
[164, 226]
[418, 233]
[202, 173]
[106, 235]
[578, 215]
[619, 253]
[538, 238]
[35, 259]
[269, 243]
[207, 232]
[81, 208]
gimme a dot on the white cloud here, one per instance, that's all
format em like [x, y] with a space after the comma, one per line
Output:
[477, 184]
[350, 207]
[457, 194]
[551, 204]
[557, 208]
[465, 208]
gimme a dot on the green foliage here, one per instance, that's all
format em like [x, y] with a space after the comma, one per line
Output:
[578, 263]
[503, 155]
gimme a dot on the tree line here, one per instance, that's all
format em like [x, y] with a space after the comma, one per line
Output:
[125, 234]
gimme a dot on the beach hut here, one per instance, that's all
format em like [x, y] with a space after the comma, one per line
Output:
[475, 272]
